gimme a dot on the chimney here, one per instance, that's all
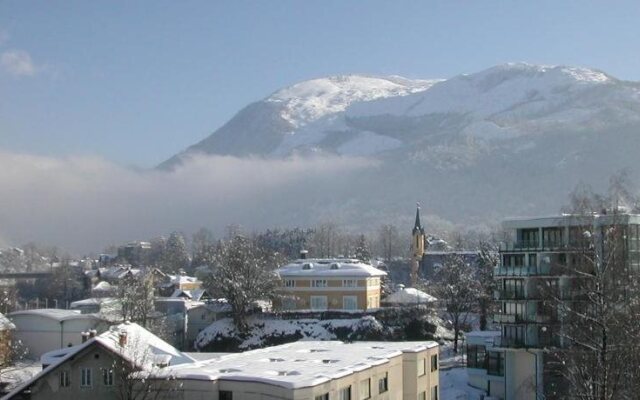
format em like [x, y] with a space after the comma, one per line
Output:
[303, 254]
[92, 333]
[85, 336]
[122, 338]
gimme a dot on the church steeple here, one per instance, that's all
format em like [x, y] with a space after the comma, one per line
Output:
[418, 242]
[417, 227]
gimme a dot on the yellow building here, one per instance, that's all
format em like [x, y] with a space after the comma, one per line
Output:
[329, 284]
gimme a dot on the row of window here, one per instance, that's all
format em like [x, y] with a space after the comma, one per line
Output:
[434, 394]
[86, 377]
[321, 283]
[365, 389]
[322, 303]
[422, 365]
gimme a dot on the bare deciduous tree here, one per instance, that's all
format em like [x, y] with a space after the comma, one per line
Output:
[245, 274]
[457, 288]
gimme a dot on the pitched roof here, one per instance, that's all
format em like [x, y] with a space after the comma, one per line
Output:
[143, 349]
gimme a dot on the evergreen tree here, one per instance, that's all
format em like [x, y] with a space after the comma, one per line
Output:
[176, 256]
[362, 249]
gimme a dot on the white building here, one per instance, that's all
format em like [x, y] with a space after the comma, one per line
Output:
[48, 329]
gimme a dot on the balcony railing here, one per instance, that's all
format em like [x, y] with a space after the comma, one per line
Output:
[535, 245]
[525, 319]
[509, 295]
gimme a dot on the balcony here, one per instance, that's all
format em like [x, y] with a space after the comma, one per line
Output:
[513, 342]
[509, 295]
[533, 246]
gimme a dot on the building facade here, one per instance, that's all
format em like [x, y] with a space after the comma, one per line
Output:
[329, 284]
[535, 276]
[305, 370]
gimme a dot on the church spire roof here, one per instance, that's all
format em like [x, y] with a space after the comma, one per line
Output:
[417, 226]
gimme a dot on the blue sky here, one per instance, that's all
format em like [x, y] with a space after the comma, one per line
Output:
[135, 82]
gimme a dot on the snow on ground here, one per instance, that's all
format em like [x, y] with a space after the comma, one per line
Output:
[454, 386]
[453, 376]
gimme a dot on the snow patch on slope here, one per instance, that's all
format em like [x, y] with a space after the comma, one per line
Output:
[498, 89]
[311, 100]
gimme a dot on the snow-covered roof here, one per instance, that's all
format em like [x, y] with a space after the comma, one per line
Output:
[195, 294]
[5, 323]
[92, 302]
[342, 267]
[142, 348]
[102, 286]
[296, 365]
[54, 314]
[179, 279]
[410, 296]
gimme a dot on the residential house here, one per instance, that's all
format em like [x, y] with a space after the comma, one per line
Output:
[329, 284]
[101, 367]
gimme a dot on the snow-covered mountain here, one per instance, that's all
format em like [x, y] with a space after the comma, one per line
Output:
[361, 115]
[528, 132]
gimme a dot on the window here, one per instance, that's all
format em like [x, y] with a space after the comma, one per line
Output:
[365, 389]
[349, 302]
[85, 377]
[107, 377]
[318, 302]
[65, 379]
[319, 283]
[349, 283]
[383, 383]
[289, 283]
[434, 362]
[513, 289]
[513, 308]
[225, 395]
[551, 237]
[434, 392]
[476, 356]
[513, 335]
[495, 364]
[422, 396]
[324, 396]
[345, 393]
[422, 366]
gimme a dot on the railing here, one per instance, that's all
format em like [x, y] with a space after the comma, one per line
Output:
[510, 295]
[535, 245]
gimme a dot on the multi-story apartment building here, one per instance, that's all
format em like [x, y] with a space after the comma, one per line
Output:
[309, 370]
[329, 284]
[536, 274]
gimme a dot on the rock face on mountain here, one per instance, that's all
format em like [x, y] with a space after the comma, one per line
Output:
[512, 139]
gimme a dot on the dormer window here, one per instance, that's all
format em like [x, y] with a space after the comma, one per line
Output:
[307, 266]
[335, 266]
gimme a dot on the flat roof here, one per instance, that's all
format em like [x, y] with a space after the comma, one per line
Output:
[568, 220]
[297, 365]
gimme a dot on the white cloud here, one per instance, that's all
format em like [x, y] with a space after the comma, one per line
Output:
[85, 203]
[17, 63]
